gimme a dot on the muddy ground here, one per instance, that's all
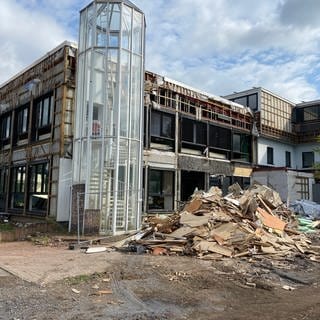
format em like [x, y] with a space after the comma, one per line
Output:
[138, 287]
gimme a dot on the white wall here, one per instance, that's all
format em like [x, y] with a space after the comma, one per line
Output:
[279, 153]
[277, 180]
[284, 182]
[306, 148]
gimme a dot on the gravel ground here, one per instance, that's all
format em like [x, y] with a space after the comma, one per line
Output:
[138, 287]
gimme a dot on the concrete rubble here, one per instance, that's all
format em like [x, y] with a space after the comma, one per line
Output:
[247, 223]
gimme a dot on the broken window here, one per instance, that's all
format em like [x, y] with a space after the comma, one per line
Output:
[38, 187]
[160, 194]
[307, 159]
[269, 155]
[18, 187]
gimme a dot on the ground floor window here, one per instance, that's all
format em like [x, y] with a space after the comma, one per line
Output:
[38, 187]
[160, 193]
[18, 187]
[3, 188]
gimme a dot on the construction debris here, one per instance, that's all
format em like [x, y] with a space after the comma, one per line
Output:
[249, 223]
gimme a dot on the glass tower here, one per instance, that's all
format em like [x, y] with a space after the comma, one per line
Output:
[109, 112]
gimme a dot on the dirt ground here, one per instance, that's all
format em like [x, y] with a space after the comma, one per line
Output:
[41, 282]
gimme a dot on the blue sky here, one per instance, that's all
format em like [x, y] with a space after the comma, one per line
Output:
[219, 46]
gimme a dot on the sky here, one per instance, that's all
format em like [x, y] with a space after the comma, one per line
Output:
[218, 46]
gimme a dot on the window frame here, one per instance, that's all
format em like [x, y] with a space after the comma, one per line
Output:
[5, 128]
[270, 155]
[288, 159]
[305, 162]
[38, 177]
[18, 186]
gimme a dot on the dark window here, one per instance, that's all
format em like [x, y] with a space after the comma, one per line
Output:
[269, 155]
[220, 137]
[3, 187]
[160, 195]
[22, 121]
[236, 142]
[250, 101]
[21, 124]
[18, 187]
[241, 147]
[38, 190]
[5, 124]
[162, 125]
[194, 131]
[253, 101]
[307, 159]
[42, 117]
[241, 100]
[288, 159]
[162, 128]
[44, 108]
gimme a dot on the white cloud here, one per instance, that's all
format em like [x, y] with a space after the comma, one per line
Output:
[25, 36]
[219, 46]
[223, 46]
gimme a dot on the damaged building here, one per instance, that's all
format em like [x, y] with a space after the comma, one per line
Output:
[135, 142]
[36, 115]
[286, 142]
[192, 139]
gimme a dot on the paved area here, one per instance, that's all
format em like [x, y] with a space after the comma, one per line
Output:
[42, 265]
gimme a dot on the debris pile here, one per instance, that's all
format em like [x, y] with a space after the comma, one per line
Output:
[243, 223]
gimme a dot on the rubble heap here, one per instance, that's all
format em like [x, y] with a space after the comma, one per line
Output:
[243, 223]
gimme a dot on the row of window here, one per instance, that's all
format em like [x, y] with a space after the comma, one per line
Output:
[199, 135]
[307, 158]
[30, 194]
[40, 121]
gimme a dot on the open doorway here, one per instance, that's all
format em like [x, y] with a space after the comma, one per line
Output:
[189, 181]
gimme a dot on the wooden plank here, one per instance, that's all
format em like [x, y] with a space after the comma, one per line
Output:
[270, 221]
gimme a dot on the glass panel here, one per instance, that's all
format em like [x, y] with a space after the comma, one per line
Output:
[112, 92]
[136, 97]
[156, 124]
[167, 125]
[101, 25]
[114, 17]
[187, 130]
[242, 101]
[236, 142]
[137, 32]
[125, 87]
[45, 112]
[114, 39]
[126, 27]
[253, 102]
[99, 78]
[90, 12]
